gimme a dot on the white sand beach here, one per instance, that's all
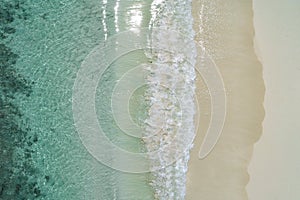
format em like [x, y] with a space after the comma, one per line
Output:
[228, 37]
[274, 168]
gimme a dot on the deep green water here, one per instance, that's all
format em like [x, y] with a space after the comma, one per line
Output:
[42, 46]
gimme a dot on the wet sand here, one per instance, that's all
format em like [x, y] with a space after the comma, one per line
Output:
[228, 37]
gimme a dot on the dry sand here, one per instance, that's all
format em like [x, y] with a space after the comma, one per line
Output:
[228, 37]
[275, 165]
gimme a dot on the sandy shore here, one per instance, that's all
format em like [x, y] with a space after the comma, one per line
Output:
[275, 165]
[228, 37]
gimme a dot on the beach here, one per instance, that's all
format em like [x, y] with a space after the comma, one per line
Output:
[52, 99]
[228, 37]
[274, 169]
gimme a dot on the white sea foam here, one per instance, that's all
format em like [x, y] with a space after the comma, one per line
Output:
[170, 125]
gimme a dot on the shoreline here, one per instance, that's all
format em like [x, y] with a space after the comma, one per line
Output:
[223, 174]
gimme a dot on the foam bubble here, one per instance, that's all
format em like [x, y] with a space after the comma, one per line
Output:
[171, 95]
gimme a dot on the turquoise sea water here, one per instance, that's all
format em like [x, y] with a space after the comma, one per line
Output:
[43, 44]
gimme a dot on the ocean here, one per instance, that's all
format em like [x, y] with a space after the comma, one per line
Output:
[143, 99]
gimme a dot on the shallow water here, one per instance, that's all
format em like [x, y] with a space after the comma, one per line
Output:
[42, 47]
